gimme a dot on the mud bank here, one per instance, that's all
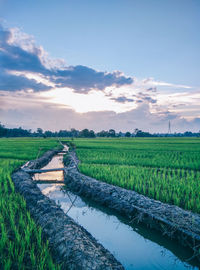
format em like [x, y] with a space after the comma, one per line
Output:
[71, 244]
[171, 220]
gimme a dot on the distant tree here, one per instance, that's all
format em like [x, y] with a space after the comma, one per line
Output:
[74, 133]
[127, 134]
[92, 134]
[120, 134]
[84, 133]
[39, 132]
[111, 133]
[87, 133]
[3, 130]
[140, 133]
[136, 131]
[188, 134]
[48, 133]
[63, 133]
[17, 132]
[102, 133]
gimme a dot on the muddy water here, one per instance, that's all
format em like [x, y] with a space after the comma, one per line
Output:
[136, 247]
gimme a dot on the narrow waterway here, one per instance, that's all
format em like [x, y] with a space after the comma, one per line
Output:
[135, 246]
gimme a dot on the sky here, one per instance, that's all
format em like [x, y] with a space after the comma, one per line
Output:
[120, 64]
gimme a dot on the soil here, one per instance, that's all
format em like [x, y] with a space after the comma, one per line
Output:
[171, 220]
[72, 246]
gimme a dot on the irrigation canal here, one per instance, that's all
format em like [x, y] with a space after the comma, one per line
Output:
[135, 246]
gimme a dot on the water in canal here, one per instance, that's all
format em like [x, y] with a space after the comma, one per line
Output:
[135, 246]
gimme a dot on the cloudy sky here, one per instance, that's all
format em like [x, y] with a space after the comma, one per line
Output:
[121, 64]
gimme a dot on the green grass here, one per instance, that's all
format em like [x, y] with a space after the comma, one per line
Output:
[21, 245]
[166, 169]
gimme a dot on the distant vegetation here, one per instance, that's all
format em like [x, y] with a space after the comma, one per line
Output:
[86, 133]
[166, 169]
[21, 245]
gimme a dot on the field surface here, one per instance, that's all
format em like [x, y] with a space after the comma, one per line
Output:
[166, 169]
[21, 245]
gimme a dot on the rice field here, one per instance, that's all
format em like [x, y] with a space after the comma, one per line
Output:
[166, 169]
[21, 244]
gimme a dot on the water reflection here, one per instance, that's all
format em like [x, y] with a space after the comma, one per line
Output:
[136, 247]
[56, 162]
[125, 242]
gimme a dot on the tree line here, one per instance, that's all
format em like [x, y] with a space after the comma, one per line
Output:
[86, 133]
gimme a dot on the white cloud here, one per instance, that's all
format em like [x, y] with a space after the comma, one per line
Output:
[17, 112]
[153, 82]
[83, 96]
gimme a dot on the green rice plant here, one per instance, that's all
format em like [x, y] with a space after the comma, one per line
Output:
[21, 244]
[166, 169]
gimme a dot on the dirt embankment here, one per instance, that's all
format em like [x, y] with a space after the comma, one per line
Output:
[169, 219]
[71, 244]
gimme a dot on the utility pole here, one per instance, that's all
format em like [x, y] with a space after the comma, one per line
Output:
[169, 128]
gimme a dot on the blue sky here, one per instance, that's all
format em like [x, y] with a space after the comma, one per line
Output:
[142, 38]
[154, 43]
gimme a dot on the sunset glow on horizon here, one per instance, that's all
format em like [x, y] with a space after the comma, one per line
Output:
[142, 80]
